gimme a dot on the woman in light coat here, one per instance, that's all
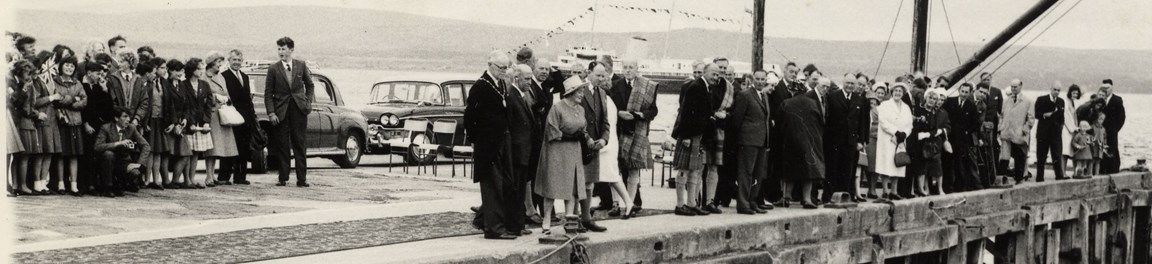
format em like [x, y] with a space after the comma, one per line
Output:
[895, 124]
[1072, 100]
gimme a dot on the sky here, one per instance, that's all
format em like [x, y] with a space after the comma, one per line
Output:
[1092, 24]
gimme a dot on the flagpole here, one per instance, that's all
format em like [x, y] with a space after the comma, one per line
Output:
[595, 11]
[668, 33]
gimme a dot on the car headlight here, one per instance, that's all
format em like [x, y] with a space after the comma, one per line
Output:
[393, 120]
[384, 119]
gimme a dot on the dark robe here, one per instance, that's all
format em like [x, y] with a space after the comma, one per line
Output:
[804, 138]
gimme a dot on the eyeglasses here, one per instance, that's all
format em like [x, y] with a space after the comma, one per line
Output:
[504, 67]
[698, 72]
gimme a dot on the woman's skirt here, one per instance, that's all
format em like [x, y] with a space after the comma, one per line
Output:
[50, 140]
[200, 141]
[161, 142]
[225, 141]
[15, 145]
[32, 141]
[72, 140]
[181, 145]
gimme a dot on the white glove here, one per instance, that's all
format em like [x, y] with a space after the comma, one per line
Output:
[924, 135]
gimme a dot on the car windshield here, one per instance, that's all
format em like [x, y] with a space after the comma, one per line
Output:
[407, 92]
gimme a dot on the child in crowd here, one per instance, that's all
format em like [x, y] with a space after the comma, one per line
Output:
[1100, 149]
[1082, 142]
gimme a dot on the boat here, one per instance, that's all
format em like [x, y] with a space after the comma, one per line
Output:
[670, 73]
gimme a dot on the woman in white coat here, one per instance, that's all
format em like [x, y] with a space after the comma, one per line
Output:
[895, 124]
[1072, 100]
[609, 162]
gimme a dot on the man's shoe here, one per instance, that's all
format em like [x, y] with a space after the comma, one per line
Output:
[504, 236]
[243, 182]
[592, 226]
[525, 232]
[302, 184]
[766, 207]
[108, 194]
[759, 211]
[683, 210]
[745, 211]
[808, 205]
[713, 209]
[698, 210]
[635, 209]
[282, 184]
[475, 209]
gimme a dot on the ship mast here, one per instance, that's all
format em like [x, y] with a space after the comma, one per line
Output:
[668, 33]
[920, 35]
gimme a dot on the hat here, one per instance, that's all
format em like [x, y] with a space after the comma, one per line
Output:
[572, 84]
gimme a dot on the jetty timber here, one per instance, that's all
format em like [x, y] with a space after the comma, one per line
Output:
[1105, 219]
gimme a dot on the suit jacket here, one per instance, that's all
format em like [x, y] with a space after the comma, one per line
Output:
[141, 92]
[108, 134]
[279, 91]
[750, 119]
[995, 103]
[595, 113]
[100, 105]
[847, 122]
[695, 110]
[522, 125]
[486, 123]
[240, 90]
[966, 122]
[198, 102]
[1050, 127]
[116, 87]
[1114, 115]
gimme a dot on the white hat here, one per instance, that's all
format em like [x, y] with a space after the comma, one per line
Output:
[572, 84]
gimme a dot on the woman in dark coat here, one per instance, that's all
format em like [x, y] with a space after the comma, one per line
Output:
[175, 108]
[927, 143]
[42, 103]
[25, 128]
[804, 142]
[72, 102]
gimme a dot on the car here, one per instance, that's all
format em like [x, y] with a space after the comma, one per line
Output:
[334, 131]
[433, 98]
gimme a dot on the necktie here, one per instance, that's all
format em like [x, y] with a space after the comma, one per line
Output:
[289, 67]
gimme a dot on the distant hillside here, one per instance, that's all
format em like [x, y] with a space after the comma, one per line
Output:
[353, 38]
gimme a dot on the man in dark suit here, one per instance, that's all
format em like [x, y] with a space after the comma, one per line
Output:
[240, 91]
[599, 131]
[1050, 114]
[786, 88]
[487, 127]
[846, 125]
[119, 83]
[288, 95]
[959, 167]
[995, 106]
[524, 135]
[122, 151]
[804, 118]
[1113, 121]
[693, 122]
[749, 128]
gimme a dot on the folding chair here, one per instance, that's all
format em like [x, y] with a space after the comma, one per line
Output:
[442, 131]
[403, 145]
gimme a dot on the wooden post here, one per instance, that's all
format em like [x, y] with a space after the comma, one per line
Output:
[920, 35]
[1098, 238]
[1124, 228]
[1074, 238]
[1142, 238]
[1051, 246]
[976, 251]
[958, 254]
[758, 35]
[1024, 243]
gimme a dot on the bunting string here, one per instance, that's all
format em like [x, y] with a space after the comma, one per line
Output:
[678, 12]
[555, 31]
[590, 10]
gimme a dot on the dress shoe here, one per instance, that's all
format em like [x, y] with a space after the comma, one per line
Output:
[592, 226]
[525, 232]
[713, 209]
[615, 212]
[108, 194]
[535, 219]
[683, 210]
[302, 184]
[766, 207]
[759, 211]
[872, 196]
[282, 184]
[475, 209]
[604, 207]
[859, 199]
[699, 211]
[504, 236]
[785, 202]
[223, 183]
[629, 215]
[77, 194]
[243, 182]
[170, 186]
[745, 211]
[210, 184]
[808, 205]
[635, 209]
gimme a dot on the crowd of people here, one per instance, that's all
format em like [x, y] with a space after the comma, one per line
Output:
[763, 139]
[115, 120]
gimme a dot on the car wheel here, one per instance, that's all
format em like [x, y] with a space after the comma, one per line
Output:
[415, 155]
[353, 150]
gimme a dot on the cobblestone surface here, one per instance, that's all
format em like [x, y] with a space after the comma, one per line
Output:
[275, 242]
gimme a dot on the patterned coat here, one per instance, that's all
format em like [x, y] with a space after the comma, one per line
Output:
[635, 151]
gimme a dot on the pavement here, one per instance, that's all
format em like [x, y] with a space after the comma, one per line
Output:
[375, 190]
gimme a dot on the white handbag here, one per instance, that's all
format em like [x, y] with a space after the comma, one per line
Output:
[229, 116]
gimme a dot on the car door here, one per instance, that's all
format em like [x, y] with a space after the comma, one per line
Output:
[321, 130]
[455, 92]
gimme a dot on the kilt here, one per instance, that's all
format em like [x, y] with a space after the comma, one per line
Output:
[690, 156]
[200, 141]
[714, 151]
[72, 140]
[161, 142]
[32, 141]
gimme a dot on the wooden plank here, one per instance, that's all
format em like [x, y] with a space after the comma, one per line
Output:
[958, 254]
[1025, 245]
[1141, 198]
[1074, 238]
[855, 250]
[989, 225]
[908, 242]
[976, 251]
[1124, 228]
[1051, 247]
[1098, 239]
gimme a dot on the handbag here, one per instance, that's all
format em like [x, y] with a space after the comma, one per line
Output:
[229, 116]
[902, 159]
